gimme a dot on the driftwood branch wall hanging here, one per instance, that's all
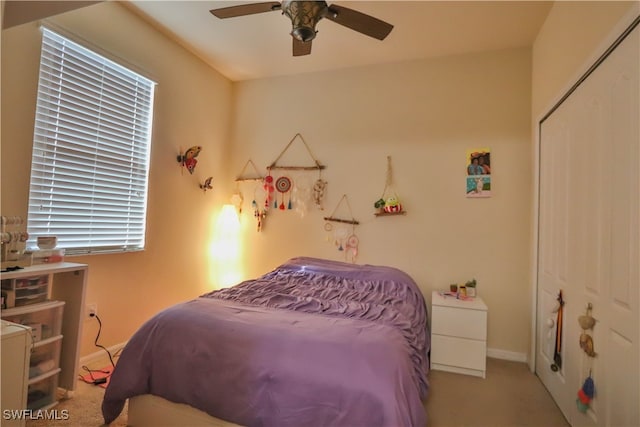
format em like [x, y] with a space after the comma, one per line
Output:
[259, 208]
[285, 185]
[343, 237]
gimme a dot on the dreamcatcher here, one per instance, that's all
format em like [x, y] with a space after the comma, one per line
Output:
[283, 185]
[259, 214]
[343, 233]
[269, 189]
[318, 191]
[301, 194]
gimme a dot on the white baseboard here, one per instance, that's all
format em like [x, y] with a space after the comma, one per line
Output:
[507, 355]
[100, 354]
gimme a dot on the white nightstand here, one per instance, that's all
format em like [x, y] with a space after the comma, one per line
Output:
[458, 335]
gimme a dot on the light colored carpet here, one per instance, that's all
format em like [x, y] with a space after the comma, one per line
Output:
[83, 410]
[510, 396]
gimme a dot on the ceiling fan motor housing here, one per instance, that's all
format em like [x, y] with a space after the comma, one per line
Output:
[304, 16]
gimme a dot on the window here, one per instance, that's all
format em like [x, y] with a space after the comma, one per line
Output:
[91, 146]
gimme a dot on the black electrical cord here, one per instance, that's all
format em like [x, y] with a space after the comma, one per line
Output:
[101, 380]
[98, 337]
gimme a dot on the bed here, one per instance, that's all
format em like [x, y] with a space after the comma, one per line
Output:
[312, 343]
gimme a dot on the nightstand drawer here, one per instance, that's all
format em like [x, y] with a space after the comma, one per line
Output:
[458, 352]
[460, 323]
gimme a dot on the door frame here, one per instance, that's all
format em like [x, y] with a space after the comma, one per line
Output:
[608, 44]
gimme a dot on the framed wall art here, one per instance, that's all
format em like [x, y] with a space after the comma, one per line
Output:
[478, 163]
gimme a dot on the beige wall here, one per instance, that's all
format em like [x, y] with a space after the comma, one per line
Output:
[192, 107]
[571, 39]
[425, 115]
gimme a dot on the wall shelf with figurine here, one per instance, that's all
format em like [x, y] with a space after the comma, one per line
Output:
[383, 213]
[389, 203]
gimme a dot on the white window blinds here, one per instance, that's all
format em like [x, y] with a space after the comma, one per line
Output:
[91, 147]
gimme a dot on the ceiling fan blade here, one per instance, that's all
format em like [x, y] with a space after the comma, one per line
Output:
[301, 48]
[246, 9]
[358, 21]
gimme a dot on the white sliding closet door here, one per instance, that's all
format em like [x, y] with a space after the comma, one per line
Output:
[589, 239]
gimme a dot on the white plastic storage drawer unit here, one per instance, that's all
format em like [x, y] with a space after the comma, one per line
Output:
[42, 392]
[23, 291]
[458, 335]
[45, 356]
[44, 319]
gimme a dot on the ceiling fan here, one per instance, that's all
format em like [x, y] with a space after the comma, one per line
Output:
[305, 15]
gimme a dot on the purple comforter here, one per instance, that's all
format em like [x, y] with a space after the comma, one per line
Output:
[312, 343]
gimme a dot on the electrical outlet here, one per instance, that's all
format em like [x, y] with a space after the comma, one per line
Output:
[91, 310]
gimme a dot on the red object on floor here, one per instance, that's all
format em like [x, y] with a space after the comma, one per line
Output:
[98, 374]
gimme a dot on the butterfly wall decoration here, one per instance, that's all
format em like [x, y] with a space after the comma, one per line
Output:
[207, 184]
[188, 158]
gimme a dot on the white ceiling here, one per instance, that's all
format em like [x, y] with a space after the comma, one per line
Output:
[258, 46]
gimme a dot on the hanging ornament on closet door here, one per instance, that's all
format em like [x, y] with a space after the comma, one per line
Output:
[283, 185]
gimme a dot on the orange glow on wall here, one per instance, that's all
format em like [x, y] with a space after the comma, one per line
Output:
[225, 249]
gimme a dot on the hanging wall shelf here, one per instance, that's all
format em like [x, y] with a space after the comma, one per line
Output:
[389, 203]
[390, 213]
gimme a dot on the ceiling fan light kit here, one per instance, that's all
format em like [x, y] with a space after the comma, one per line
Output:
[305, 15]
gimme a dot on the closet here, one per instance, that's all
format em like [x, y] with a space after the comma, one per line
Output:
[588, 240]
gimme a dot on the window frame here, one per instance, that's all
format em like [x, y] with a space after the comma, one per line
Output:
[93, 137]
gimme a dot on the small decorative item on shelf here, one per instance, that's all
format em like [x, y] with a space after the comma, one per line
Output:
[392, 205]
[471, 287]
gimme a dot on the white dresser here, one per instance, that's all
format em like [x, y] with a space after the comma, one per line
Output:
[16, 342]
[458, 335]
